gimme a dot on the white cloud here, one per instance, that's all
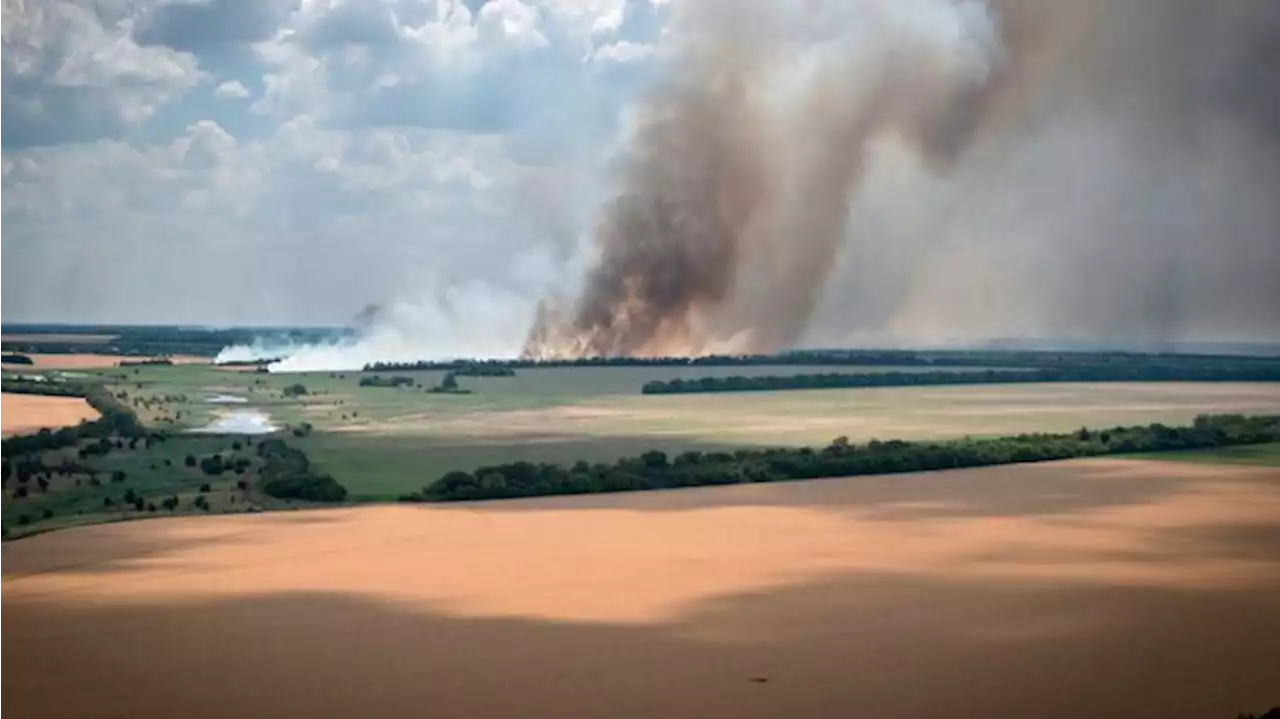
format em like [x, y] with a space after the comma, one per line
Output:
[625, 51]
[421, 128]
[71, 74]
[231, 90]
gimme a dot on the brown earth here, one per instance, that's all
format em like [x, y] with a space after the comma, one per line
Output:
[24, 413]
[91, 361]
[1075, 589]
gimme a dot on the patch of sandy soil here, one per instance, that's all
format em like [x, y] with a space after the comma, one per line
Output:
[24, 413]
[91, 361]
[1084, 588]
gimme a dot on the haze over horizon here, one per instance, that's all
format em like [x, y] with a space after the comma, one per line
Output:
[1093, 171]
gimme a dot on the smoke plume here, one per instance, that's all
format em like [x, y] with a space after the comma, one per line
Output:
[826, 171]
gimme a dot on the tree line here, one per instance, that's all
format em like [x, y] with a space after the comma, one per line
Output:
[461, 368]
[117, 420]
[16, 359]
[1084, 373]
[842, 458]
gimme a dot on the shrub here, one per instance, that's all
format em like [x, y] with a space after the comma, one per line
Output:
[204, 488]
[190, 461]
[212, 465]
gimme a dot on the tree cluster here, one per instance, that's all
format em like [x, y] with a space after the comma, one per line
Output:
[287, 474]
[653, 469]
[16, 359]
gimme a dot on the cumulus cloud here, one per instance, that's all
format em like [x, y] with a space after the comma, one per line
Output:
[203, 24]
[231, 90]
[72, 74]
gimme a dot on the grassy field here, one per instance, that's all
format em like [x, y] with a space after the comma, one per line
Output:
[383, 442]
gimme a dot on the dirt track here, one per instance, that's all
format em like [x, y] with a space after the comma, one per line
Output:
[1087, 588]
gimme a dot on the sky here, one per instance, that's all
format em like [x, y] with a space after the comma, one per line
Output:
[268, 162]
[1086, 170]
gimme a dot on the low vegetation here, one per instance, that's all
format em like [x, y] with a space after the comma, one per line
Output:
[653, 469]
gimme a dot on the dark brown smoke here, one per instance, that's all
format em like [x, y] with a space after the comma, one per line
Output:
[737, 189]
[743, 216]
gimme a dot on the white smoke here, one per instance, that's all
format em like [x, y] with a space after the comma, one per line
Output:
[478, 319]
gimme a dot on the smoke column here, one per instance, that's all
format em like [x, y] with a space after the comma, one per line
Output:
[812, 171]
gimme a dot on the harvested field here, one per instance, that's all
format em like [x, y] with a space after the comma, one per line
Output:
[24, 413]
[91, 361]
[1083, 588]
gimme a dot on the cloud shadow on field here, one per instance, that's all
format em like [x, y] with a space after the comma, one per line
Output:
[856, 645]
[822, 604]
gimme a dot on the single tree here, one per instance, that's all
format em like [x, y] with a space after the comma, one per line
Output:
[190, 461]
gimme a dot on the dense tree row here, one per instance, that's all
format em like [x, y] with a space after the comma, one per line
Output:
[653, 469]
[461, 368]
[1085, 373]
[287, 474]
[16, 359]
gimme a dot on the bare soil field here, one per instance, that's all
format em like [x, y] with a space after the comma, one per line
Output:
[23, 413]
[90, 361]
[1082, 588]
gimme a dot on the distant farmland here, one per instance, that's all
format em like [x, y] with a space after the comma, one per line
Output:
[381, 441]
